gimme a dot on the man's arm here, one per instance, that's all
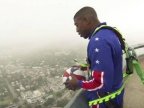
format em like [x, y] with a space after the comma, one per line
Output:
[100, 55]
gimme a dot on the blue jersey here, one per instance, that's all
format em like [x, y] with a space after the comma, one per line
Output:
[105, 56]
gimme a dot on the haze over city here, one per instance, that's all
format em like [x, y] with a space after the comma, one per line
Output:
[47, 23]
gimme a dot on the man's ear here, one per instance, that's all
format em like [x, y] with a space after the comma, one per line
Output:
[87, 20]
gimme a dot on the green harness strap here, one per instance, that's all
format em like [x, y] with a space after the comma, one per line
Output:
[111, 95]
[132, 62]
[140, 73]
[135, 64]
[139, 70]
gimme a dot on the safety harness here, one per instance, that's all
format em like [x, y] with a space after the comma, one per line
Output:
[131, 63]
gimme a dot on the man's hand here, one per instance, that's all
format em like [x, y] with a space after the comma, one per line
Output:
[72, 84]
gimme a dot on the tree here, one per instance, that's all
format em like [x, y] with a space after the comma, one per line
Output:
[62, 103]
[49, 102]
[38, 106]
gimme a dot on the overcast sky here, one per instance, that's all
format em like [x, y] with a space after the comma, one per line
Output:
[41, 22]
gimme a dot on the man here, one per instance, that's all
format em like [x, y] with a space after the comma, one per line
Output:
[104, 54]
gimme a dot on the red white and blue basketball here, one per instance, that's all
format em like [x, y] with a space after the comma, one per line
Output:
[75, 71]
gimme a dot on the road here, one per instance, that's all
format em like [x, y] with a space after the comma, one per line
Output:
[11, 89]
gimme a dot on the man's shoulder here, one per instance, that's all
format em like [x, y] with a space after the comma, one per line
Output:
[103, 35]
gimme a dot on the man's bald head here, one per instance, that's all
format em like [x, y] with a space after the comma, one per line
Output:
[86, 13]
[86, 21]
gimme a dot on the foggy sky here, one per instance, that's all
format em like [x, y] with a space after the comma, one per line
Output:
[39, 23]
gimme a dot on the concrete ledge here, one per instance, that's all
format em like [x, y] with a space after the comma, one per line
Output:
[78, 101]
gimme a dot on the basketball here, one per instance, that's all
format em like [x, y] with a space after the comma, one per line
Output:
[75, 71]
